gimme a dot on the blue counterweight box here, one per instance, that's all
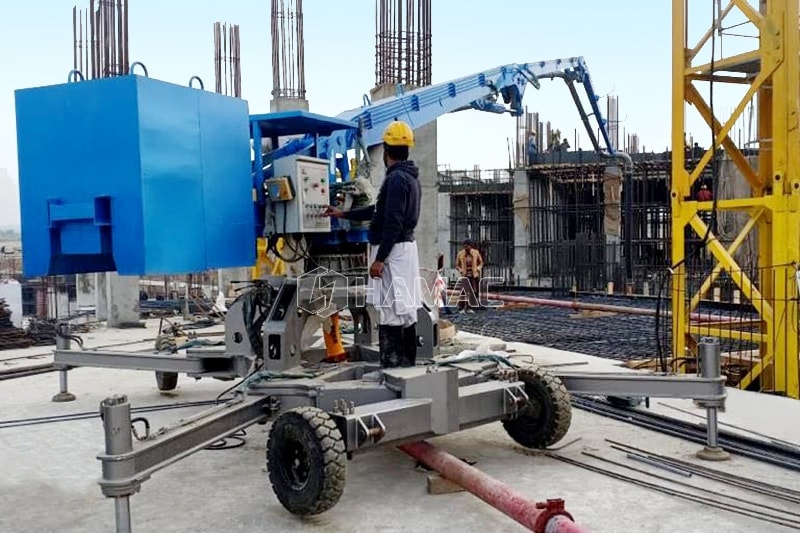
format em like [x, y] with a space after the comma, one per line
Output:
[134, 175]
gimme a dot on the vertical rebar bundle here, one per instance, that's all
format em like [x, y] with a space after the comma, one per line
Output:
[403, 42]
[100, 39]
[227, 59]
[288, 55]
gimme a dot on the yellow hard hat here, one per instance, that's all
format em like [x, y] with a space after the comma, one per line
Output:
[398, 133]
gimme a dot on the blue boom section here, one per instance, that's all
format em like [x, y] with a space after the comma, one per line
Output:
[483, 91]
[134, 175]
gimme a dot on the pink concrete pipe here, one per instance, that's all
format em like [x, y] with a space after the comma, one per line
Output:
[539, 517]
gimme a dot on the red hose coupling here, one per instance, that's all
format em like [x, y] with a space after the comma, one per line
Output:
[549, 509]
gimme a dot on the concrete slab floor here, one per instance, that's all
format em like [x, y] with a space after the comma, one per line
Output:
[49, 472]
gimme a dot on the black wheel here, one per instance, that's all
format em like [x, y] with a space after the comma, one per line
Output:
[546, 417]
[166, 381]
[306, 461]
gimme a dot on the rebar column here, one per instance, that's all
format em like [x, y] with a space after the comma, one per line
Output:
[709, 352]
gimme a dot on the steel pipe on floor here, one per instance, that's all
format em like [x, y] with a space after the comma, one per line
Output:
[607, 308]
[539, 517]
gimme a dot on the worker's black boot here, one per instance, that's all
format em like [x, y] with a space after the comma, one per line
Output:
[391, 344]
[409, 346]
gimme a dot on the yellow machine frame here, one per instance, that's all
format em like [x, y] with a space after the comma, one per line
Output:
[267, 263]
[772, 72]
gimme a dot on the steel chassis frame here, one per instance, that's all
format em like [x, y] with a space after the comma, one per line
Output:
[371, 407]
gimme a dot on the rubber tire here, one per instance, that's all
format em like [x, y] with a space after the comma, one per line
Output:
[552, 423]
[314, 432]
[166, 381]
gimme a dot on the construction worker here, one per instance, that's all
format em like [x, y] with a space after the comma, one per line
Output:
[394, 285]
[533, 149]
[469, 264]
[704, 194]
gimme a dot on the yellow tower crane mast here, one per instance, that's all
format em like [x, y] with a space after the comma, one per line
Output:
[770, 73]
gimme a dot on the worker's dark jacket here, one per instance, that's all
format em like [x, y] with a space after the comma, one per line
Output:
[394, 216]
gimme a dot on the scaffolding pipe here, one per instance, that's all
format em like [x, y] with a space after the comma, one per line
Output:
[539, 517]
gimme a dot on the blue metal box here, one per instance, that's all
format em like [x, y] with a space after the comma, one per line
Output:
[134, 175]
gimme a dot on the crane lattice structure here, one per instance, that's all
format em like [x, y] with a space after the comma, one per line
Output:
[771, 73]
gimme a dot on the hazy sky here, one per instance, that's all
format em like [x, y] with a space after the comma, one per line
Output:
[625, 43]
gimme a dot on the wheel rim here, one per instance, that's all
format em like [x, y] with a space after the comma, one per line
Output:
[294, 465]
[535, 404]
[533, 414]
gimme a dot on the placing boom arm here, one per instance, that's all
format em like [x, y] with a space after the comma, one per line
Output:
[477, 91]
[498, 90]
[481, 91]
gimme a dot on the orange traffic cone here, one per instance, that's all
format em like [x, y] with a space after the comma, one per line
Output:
[334, 349]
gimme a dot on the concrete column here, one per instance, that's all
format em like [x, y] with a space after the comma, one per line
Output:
[443, 229]
[123, 300]
[296, 269]
[612, 220]
[86, 290]
[424, 155]
[101, 296]
[226, 276]
[287, 104]
[522, 234]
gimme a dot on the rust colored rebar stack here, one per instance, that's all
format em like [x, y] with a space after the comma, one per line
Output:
[288, 55]
[100, 37]
[403, 42]
[227, 59]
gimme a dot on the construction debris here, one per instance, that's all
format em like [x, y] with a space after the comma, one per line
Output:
[440, 485]
[447, 332]
[42, 332]
[11, 337]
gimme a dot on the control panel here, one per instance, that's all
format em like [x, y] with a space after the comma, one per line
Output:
[305, 212]
[280, 189]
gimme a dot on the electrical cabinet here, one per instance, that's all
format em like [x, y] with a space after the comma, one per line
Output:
[305, 213]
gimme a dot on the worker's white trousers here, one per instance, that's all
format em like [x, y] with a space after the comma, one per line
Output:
[397, 295]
